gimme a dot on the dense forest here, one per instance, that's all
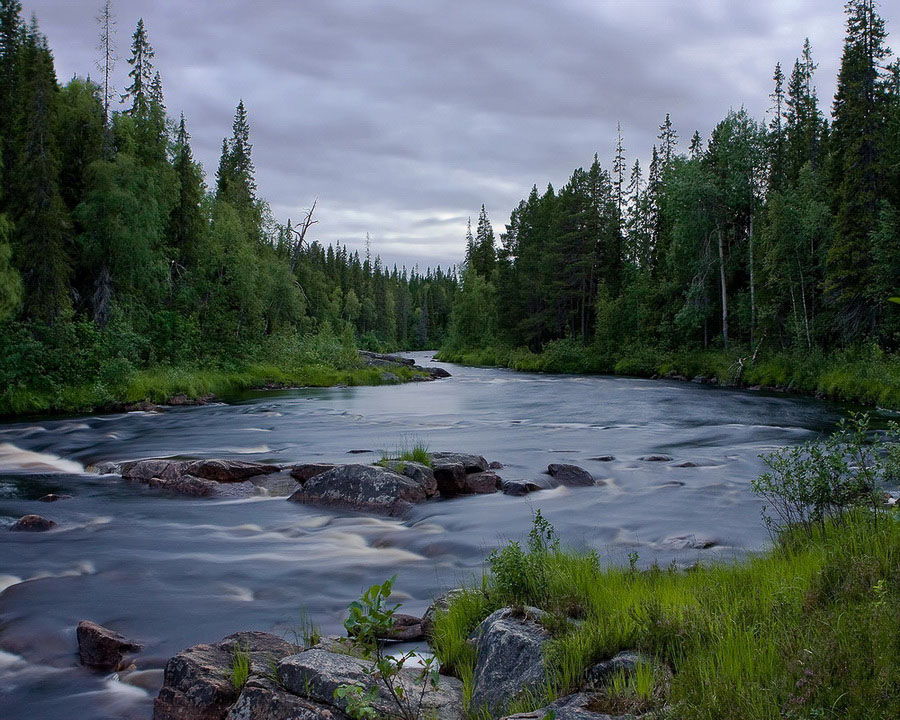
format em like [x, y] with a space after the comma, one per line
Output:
[777, 238]
[115, 256]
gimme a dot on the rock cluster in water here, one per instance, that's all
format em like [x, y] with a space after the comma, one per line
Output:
[390, 487]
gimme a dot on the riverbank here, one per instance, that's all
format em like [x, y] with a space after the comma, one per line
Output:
[185, 385]
[865, 377]
[807, 629]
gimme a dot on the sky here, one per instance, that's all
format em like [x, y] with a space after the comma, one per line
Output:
[403, 117]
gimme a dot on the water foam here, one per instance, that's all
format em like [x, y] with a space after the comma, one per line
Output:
[14, 458]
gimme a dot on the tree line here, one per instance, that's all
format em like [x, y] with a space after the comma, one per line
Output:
[110, 237]
[782, 235]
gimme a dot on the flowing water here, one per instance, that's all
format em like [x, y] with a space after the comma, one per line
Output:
[172, 571]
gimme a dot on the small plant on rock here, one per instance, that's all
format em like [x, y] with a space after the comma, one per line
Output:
[240, 667]
[370, 619]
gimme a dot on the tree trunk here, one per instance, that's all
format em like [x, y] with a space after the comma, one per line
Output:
[724, 292]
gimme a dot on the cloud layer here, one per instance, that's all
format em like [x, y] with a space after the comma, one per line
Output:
[404, 116]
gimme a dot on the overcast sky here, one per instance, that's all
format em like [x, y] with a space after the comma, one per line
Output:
[404, 116]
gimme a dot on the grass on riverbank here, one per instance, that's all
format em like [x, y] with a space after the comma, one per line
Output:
[158, 385]
[868, 376]
[808, 630]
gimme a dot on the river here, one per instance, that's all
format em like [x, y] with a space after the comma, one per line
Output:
[172, 571]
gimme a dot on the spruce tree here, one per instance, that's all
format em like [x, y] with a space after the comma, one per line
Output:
[857, 171]
[141, 72]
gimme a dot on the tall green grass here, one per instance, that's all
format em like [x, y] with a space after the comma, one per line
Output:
[806, 630]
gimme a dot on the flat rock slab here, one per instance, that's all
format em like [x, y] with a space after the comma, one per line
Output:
[226, 471]
[362, 487]
[32, 523]
[261, 699]
[102, 648]
[571, 707]
[471, 463]
[315, 674]
[302, 473]
[570, 475]
[655, 458]
[510, 646]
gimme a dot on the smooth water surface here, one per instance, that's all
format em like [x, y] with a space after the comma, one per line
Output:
[171, 571]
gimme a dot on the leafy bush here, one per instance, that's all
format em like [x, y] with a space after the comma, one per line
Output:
[809, 484]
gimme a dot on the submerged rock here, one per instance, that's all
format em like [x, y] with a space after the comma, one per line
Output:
[655, 458]
[570, 475]
[53, 497]
[362, 487]
[32, 523]
[102, 648]
[510, 646]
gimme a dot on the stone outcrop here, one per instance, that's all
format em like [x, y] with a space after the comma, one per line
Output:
[32, 523]
[197, 683]
[510, 646]
[418, 472]
[102, 648]
[362, 487]
[302, 473]
[570, 707]
[262, 699]
[470, 463]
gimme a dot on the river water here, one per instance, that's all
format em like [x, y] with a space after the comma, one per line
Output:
[172, 571]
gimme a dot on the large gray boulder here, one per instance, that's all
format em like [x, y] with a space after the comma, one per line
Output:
[197, 682]
[145, 470]
[523, 487]
[262, 699]
[102, 648]
[362, 487]
[570, 475]
[510, 646]
[316, 673]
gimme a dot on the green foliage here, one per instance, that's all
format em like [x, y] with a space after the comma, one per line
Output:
[240, 667]
[804, 630]
[520, 575]
[811, 484]
[410, 451]
[370, 619]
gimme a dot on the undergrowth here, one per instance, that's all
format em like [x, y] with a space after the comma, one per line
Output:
[806, 630]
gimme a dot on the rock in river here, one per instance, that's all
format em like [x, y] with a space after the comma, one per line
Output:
[570, 475]
[102, 648]
[32, 523]
[362, 487]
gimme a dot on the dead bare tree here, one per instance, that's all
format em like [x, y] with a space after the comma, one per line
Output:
[305, 224]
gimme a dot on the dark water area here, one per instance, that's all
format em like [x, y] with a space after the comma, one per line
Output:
[173, 571]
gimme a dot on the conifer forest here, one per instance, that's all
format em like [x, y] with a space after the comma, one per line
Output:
[771, 241]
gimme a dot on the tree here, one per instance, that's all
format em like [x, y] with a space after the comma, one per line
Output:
[107, 63]
[141, 72]
[235, 182]
[483, 256]
[186, 221]
[39, 214]
[857, 170]
[11, 31]
[776, 132]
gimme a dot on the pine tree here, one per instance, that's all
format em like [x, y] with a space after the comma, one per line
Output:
[186, 219]
[141, 72]
[484, 255]
[776, 132]
[235, 182]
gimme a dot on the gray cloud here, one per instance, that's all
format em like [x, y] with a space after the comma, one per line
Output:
[404, 116]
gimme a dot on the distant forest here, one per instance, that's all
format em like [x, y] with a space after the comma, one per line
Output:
[781, 236]
[113, 251]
